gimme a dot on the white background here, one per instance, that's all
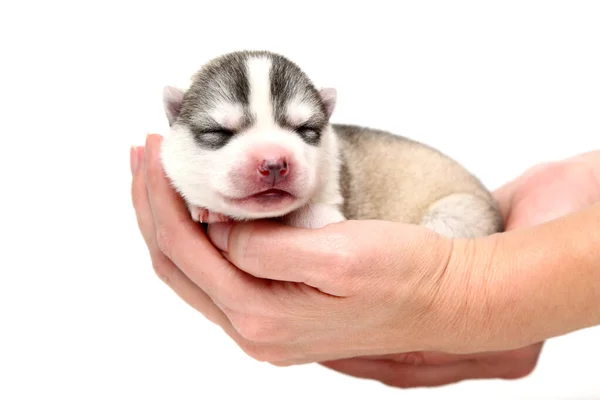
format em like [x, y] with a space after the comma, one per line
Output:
[499, 86]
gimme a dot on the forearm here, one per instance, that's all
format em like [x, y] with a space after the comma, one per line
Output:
[535, 283]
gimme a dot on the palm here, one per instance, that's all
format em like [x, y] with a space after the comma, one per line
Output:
[541, 194]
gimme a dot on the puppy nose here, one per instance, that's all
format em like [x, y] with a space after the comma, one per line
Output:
[274, 170]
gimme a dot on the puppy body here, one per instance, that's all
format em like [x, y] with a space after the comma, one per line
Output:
[251, 138]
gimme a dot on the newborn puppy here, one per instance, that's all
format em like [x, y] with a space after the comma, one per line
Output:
[251, 138]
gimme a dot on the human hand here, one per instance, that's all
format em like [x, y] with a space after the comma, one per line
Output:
[301, 303]
[263, 315]
[544, 192]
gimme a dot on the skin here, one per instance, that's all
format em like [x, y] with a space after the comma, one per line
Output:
[541, 194]
[432, 310]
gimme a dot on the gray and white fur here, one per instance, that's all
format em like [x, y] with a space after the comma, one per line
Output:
[251, 138]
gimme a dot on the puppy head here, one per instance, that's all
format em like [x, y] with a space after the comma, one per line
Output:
[249, 138]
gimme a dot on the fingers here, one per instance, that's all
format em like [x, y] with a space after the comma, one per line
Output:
[436, 369]
[419, 358]
[410, 376]
[405, 376]
[179, 282]
[163, 267]
[580, 175]
[232, 296]
[439, 358]
[183, 241]
[139, 196]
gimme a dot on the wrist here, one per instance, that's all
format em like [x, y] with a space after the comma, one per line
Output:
[485, 299]
[517, 288]
[468, 309]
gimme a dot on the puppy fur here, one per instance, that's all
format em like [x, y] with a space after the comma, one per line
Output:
[246, 107]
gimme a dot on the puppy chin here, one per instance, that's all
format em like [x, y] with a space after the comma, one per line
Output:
[260, 208]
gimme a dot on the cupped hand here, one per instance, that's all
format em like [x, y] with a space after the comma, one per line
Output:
[542, 193]
[288, 295]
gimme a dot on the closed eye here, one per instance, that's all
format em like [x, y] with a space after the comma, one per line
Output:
[217, 130]
[221, 131]
[309, 133]
[304, 129]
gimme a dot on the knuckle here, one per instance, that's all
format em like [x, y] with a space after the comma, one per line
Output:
[136, 200]
[565, 171]
[245, 239]
[253, 243]
[340, 255]
[164, 240]
[342, 258]
[558, 171]
[256, 329]
[162, 269]
[415, 358]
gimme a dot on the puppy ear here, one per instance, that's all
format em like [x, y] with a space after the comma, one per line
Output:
[172, 98]
[329, 98]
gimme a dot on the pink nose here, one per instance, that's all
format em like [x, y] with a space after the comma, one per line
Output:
[273, 171]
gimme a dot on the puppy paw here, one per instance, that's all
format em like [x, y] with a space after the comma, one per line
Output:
[205, 216]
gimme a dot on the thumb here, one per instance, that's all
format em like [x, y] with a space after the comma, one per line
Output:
[323, 258]
[270, 250]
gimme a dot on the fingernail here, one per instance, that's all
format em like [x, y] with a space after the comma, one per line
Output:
[133, 159]
[218, 234]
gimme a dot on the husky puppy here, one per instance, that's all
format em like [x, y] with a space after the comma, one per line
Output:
[251, 138]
